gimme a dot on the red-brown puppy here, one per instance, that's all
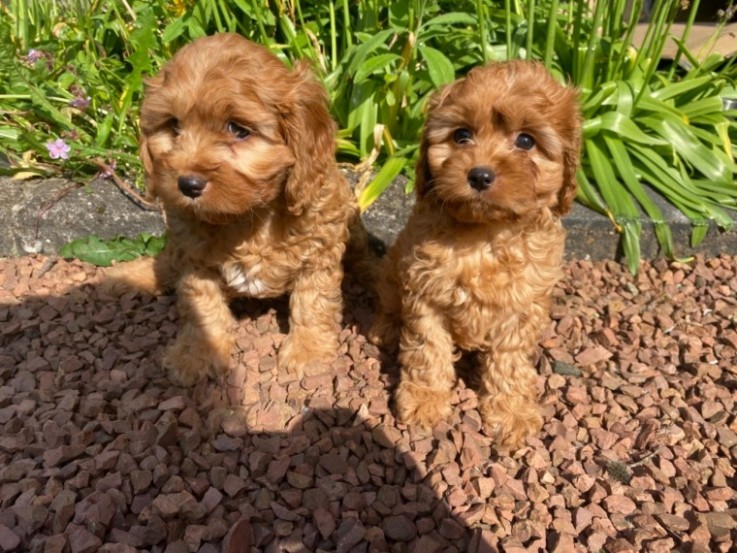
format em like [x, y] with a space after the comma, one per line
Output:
[240, 151]
[475, 265]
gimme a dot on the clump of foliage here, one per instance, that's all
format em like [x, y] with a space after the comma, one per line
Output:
[104, 253]
[72, 76]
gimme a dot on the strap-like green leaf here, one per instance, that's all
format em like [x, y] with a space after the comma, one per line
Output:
[688, 147]
[388, 172]
[623, 163]
[619, 124]
[680, 88]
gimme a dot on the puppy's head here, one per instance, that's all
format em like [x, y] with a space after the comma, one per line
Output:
[227, 129]
[501, 144]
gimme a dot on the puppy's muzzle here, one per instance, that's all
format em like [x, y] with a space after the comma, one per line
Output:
[480, 178]
[191, 185]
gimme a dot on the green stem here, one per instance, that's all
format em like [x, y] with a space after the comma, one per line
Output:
[664, 21]
[333, 38]
[260, 23]
[550, 39]
[684, 38]
[635, 13]
[576, 69]
[530, 28]
[508, 27]
[587, 73]
[347, 31]
[481, 16]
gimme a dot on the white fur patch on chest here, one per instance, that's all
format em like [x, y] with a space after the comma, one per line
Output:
[244, 281]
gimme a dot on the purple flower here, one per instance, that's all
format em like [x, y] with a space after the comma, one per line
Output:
[80, 103]
[108, 171]
[58, 149]
[33, 56]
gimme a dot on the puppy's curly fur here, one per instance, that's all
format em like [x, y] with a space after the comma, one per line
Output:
[476, 263]
[240, 151]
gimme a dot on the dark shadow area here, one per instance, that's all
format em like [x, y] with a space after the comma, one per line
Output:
[101, 452]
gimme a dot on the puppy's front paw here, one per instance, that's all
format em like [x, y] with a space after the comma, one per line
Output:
[115, 283]
[303, 356]
[510, 420]
[422, 406]
[138, 275]
[188, 362]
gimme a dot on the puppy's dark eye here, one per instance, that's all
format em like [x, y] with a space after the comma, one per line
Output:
[524, 141]
[238, 131]
[173, 125]
[462, 136]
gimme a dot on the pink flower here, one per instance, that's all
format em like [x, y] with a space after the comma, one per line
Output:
[58, 149]
[81, 103]
[108, 171]
[33, 56]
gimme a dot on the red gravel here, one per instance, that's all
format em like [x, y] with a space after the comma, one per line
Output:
[100, 452]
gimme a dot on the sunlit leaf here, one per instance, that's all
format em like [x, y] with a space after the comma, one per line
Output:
[440, 67]
[388, 172]
[104, 253]
[373, 65]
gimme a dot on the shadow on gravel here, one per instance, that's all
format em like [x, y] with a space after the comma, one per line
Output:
[100, 452]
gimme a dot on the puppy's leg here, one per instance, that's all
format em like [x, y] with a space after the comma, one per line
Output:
[360, 262]
[384, 330]
[150, 275]
[315, 311]
[426, 356]
[205, 340]
[508, 397]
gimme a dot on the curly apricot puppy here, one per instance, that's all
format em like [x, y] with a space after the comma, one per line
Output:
[476, 263]
[240, 151]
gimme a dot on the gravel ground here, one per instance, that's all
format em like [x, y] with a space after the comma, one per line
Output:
[99, 452]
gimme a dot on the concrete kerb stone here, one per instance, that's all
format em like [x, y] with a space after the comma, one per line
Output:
[42, 215]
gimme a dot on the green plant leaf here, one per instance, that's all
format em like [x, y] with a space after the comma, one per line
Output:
[631, 245]
[627, 129]
[691, 149]
[698, 233]
[451, 18]
[103, 253]
[173, 30]
[373, 65]
[624, 166]
[359, 53]
[680, 88]
[440, 67]
[388, 172]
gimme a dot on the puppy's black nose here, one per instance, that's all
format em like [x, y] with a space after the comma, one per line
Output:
[480, 178]
[191, 185]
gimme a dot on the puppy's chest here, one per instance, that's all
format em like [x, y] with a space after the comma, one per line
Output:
[483, 285]
[258, 267]
[487, 294]
[246, 281]
[254, 277]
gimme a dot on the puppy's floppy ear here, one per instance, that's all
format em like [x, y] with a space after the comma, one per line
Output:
[567, 193]
[310, 133]
[422, 170]
[423, 175]
[148, 168]
[571, 153]
[150, 101]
